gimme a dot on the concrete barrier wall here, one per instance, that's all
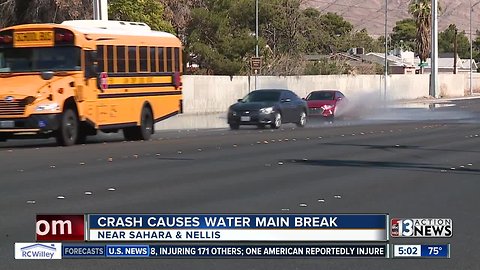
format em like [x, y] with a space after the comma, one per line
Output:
[450, 85]
[475, 82]
[208, 94]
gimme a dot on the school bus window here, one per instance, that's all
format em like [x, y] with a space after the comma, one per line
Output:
[177, 59]
[132, 59]
[161, 59]
[120, 58]
[40, 59]
[148, 60]
[143, 59]
[3, 66]
[110, 60]
[100, 58]
[169, 59]
[153, 62]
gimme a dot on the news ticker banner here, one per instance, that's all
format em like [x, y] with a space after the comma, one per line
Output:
[213, 228]
[70, 251]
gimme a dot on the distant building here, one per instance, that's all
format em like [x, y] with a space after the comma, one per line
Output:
[404, 62]
[401, 63]
[354, 57]
[446, 62]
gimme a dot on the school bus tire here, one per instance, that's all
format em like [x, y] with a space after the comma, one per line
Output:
[147, 123]
[144, 131]
[68, 131]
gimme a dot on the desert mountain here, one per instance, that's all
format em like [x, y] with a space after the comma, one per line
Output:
[370, 14]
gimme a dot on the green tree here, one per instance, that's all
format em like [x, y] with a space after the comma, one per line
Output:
[476, 41]
[220, 36]
[338, 31]
[403, 35]
[146, 11]
[316, 39]
[285, 16]
[328, 66]
[476, 47]
[421, 11]
[446, 41]
[363, 39]
[178, 13]
[272, 25]
[215, 45]
[328, 33]
[335, 24]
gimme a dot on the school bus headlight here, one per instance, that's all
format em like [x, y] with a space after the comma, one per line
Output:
[48, 107]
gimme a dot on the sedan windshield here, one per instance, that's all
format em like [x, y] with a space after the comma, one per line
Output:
[321, 96]
[262, 96]
[39, 59]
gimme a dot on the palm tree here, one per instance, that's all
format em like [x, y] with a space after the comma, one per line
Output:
[421, 12]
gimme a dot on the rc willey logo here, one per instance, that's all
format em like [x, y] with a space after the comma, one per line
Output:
[38, 251]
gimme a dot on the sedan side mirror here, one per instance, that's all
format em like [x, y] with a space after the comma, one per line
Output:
[239, 100]
[285, 100]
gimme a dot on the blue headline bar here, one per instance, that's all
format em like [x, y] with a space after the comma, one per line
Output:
[158, 221]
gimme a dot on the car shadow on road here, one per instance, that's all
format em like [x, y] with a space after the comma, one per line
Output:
[391, 147]
[381, 165]
[174, 159]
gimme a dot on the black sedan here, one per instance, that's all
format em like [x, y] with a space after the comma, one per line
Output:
[268, 107]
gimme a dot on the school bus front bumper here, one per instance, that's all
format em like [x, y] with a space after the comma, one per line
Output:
[34, 124]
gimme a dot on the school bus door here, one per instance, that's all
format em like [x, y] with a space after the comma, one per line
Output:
[87, 93]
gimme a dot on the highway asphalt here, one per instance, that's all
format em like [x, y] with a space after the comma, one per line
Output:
[405, 162]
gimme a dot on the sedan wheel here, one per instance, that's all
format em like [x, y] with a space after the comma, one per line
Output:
[330, 118]
[277, 122]
[303, 120]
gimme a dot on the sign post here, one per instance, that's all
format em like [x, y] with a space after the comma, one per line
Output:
[256, 65]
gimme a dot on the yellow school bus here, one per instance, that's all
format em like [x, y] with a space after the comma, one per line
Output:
[72, 79]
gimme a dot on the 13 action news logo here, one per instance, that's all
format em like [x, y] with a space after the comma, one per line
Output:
[421, 227]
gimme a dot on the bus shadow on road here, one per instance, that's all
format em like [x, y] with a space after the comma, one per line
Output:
[50, 143]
